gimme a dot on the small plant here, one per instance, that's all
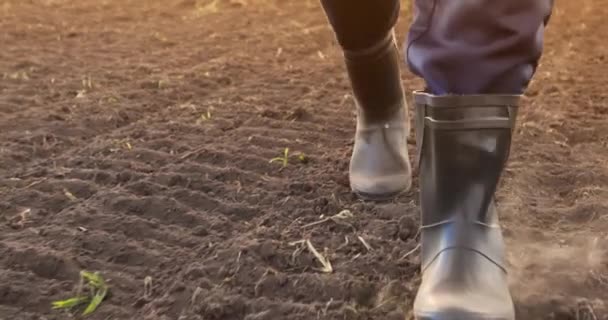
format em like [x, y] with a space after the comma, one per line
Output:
[206, 116]
[87, 83]
[284, 159]
[122, 144]
[97, 291]
[69, 195]
[19, 75]
[303, 158]
[162, 83]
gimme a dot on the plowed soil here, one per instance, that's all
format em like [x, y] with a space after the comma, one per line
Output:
[136, 138]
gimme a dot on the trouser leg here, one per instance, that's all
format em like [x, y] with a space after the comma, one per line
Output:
[477, 46]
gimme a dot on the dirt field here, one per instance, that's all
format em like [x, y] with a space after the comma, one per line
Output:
[136, 138]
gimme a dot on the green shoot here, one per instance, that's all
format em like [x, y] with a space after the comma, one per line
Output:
[204, 117]
[69, 303]
[303, 158]
[87, 83]
[94, 279]
[122, 144]
[98, 291]
[19, 75]
[284, 159]
[69, 195]
[96, 301]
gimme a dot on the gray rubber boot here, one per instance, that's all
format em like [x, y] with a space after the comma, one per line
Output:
[379, 166]
[463, 145]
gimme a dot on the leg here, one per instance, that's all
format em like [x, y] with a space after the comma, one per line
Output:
[477, 46]
[379, 167]
[360, 24]
[477, 57]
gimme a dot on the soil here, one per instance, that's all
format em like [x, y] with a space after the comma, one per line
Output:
[136, 139]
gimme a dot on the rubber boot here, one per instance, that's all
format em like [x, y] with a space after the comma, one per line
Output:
[379, 166]
[463, 145]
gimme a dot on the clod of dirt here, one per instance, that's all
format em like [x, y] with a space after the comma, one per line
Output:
[225, 307]
[408, 228]
[267, 113]
[266, 250]
[300, 114]
[391, 211]
[269, 284]
[200, 231]
[363, 293]
[383, 228]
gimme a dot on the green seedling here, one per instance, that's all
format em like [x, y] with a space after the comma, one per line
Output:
[206, 116]
[87, 83]
[162, 83]
[69, 195]
[303, 158]
[70, 303]
[19, 75]
[122, 144]
[97, 288]
[81, 93]
[284, 159]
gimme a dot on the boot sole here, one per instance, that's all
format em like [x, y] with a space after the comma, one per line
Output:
[379, 197]
[459, 317]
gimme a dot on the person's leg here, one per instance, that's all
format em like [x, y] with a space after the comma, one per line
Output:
[477, 46]
[360, 24]
[379, 167]
[476, 57]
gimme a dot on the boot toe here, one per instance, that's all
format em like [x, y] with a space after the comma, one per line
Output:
[465, 308]
[375, 187]
[380, 167]
[478, 291]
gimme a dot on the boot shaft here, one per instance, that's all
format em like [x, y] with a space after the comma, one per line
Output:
[463, 145]
[375, 78]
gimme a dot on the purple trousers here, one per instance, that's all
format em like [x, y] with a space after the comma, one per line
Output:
[456, 46]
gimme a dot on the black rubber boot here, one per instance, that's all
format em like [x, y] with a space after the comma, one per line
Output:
[463, 145]
[379, 167]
